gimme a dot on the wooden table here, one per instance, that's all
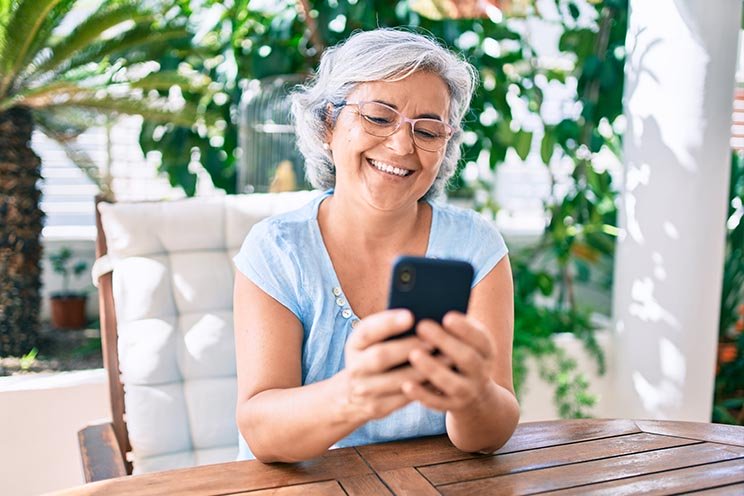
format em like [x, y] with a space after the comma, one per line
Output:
[562, 457]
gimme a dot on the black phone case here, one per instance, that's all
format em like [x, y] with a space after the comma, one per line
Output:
[437, 286]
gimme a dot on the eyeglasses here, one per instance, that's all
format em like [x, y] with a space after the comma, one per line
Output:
[382, 121]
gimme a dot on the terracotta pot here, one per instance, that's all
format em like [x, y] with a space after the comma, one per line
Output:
[68, 312]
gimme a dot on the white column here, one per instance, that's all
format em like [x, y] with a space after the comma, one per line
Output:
[678, 103]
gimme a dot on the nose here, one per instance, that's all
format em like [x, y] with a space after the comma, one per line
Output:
[401, 141]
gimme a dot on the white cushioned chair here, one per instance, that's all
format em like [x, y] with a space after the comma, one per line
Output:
[165, 277]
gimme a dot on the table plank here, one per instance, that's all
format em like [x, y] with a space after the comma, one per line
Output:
[432, 450]
[423, 451]
[364, 485]
[521, 461]
[673, 481]
[714, 433]
[732, 490]
[408, 481]
[534, 435]
[607, 469]
[233, 477]
[325, 488]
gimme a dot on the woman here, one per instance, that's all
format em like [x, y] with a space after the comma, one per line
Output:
[380, 125]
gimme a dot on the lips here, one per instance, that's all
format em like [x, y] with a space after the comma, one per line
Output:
[389, 169]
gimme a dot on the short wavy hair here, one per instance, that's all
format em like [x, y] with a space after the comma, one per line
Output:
[384, 54]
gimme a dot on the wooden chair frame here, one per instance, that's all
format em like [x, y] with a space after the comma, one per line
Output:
[104, 447]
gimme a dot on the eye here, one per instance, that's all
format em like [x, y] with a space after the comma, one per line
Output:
[430, 130]
[379, 120]
[426, 134]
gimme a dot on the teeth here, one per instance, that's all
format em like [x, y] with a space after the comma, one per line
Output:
[389, 168]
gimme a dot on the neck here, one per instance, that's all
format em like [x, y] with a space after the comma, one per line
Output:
[350, 221]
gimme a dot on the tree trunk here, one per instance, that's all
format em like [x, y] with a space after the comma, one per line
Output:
[20, 231]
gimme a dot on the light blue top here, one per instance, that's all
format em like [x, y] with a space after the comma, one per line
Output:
[285, 256]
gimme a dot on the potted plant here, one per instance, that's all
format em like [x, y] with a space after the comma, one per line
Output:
[68, 306]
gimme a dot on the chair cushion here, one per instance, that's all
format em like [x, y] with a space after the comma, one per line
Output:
[172, 285]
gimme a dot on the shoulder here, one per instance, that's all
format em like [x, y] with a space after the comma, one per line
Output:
[276, 230]
[463, 220]
[465, 234]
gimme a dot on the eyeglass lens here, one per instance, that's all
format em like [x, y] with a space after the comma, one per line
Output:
[381, 120]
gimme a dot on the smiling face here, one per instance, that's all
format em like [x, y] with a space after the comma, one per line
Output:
[392, 172]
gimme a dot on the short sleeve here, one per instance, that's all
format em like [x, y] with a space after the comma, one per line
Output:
[265, 259]
[491, 246]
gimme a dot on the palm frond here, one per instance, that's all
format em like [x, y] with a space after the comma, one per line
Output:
[67, 122]
[26, 21]
[140, 37]
[90, 31]
[156, 111]
[43, 96]
[166, 79]
[78, 155]
[6, 10]
[43, 37]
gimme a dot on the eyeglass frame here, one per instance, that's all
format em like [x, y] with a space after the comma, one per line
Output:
[401, 121]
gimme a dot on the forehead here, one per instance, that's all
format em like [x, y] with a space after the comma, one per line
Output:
[419, 93]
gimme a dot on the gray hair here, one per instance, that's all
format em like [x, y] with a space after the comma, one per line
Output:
[383, 54]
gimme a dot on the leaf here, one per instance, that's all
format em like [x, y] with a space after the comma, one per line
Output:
[90, 30]
[547, 146]
[164, 80]
[579, 41]
[128, 44]
[591, 68]
[545, 283]
[23, 26]
[573, 9]
[185, 116]
[522, 143]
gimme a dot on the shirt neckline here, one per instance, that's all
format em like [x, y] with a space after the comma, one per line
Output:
[327, 257]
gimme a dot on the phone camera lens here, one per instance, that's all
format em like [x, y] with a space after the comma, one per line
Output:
[406, 278]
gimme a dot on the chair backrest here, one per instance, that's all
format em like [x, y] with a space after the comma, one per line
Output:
[166, 323]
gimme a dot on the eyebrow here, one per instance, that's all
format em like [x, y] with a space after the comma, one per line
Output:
[420, 116]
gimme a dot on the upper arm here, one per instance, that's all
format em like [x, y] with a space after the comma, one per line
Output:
[268, 341]
[492, 304]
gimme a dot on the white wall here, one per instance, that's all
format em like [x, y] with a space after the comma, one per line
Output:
[39, 420]
[678, 103]
[537, 399]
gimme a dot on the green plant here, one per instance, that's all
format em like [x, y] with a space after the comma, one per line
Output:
[60, 81]
[243, 41]
[28, 360]
[729, 388]
[62, 264]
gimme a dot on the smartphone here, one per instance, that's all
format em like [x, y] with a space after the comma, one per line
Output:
[429, 287]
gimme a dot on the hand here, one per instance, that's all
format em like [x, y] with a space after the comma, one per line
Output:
[464, 375]
[374, 390]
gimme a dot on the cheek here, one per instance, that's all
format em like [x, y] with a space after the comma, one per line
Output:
[349, 138]
[432, 161]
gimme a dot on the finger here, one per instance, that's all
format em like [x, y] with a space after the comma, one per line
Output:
[466, 358]
[380, 326]
[470, 331]
[440, 376]
[385, 384]
[382, 407]
[426, 396]
[382, 357]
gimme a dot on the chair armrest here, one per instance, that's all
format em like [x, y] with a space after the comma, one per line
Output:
[100, 452]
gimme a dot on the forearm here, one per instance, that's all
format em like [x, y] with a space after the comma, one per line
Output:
[487, 424]
[289, 425]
